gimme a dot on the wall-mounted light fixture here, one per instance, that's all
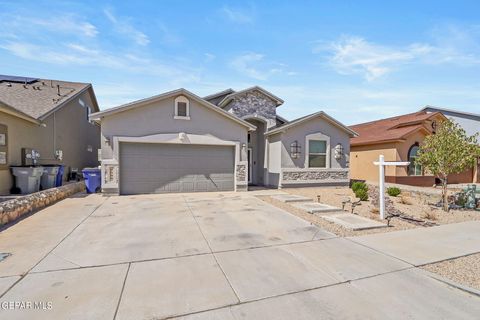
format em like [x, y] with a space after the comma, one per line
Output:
[295, 150]
[339, 151]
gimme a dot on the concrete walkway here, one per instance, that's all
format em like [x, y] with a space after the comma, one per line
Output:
[427, 245]
[207, 256]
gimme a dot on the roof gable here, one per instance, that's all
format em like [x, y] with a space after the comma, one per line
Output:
[232, 96]
[37, 99]
[216, 98]
[309, 117]
[452, 112]
[392, 129]
[140, 103]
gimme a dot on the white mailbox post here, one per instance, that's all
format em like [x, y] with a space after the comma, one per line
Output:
[381, 177]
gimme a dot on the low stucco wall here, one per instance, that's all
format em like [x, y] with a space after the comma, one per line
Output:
[13, 209]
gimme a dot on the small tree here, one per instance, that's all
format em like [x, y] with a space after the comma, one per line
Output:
[448, 151]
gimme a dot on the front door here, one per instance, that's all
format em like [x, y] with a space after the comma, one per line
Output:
[250, 164]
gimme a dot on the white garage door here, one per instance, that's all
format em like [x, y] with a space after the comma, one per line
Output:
[163, 168]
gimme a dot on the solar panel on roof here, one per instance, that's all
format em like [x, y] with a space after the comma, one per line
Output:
[17, 79]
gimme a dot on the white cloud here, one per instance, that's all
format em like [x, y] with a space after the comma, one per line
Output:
[64, 24]
[254, 65]
[355, 55]
[237, 15]
[124, 27]
[245, 65]
[72, 54]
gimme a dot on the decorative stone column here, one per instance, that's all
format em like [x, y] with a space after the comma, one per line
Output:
[241, 177]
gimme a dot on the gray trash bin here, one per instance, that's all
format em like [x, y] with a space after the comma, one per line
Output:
[27, 178]
[49, 177]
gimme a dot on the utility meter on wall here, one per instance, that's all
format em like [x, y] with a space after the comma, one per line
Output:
[59, 155]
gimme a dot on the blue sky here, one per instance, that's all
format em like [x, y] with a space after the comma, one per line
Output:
[356, 60]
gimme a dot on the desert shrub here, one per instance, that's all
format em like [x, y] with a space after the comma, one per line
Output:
[461, 199]
[393, 191]
[429, 215]
[405, 200]
[362, 194]
[358, 185]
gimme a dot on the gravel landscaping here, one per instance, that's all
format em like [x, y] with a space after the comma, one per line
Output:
[464, 270]
[409, 202]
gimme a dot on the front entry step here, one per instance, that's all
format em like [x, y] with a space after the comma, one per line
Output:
[291, 198]
[315, 207]
[354, 222]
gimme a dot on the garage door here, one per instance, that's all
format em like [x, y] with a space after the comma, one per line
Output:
[163, 168]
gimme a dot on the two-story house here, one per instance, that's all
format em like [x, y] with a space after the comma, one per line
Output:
[50, 117]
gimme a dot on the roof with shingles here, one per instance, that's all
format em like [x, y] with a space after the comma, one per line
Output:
[39, 98]
[391, 129]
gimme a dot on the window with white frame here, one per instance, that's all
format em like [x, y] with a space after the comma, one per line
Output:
[317, 153]
[182, 108]
[414, 169]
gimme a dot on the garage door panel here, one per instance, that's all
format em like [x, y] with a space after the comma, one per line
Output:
[163, 168]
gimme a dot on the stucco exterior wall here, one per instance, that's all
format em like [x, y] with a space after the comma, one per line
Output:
[299, 133]
[362, 158]
[67, 129]
[158, 117]
[362, 167]
[274, 160]
[402, 151]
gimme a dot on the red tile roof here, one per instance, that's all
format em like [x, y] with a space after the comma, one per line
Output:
[390, 129]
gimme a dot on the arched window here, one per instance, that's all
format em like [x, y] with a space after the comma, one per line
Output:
[182, 108]
[414, 169]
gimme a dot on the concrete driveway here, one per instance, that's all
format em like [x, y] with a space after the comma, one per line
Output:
[205, 256]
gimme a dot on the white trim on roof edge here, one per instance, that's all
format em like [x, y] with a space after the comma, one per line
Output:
[125, 107]
[309, 117]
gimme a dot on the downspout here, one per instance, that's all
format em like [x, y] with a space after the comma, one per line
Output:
[54, 134]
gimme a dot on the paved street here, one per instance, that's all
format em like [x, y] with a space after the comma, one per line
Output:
[219, 256]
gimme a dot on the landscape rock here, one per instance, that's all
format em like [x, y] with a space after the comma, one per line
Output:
[13, 209]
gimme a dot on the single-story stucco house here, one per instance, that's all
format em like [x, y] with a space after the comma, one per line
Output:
[180, 142]
[50, 117]
[398, 139]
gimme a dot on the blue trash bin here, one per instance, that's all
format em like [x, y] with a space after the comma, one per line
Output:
[93, 179]
[59, 181]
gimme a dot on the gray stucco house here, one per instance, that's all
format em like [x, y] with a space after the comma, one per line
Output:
[180, 142]
[51, 117]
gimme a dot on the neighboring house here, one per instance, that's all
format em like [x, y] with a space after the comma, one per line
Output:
[470, 122]
[180, 142]
[398, 139]
[50, 117]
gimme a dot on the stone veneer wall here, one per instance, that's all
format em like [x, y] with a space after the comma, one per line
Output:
[241, 176]
[254, 103]
[299, 176]
[13, 209]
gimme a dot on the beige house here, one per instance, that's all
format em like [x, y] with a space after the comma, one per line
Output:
[50, 117]
[398, 139]
[180, 142]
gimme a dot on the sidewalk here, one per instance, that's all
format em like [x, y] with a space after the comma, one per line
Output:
[427, 245]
